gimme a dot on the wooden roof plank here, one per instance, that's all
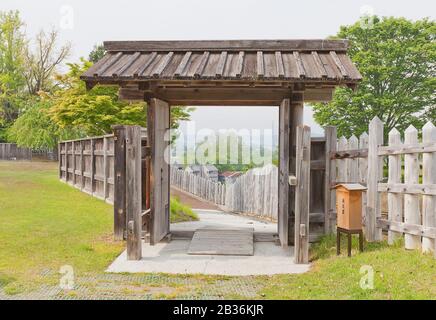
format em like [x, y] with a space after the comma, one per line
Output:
[109, 63]
[221, 64]
[319, 64]
[162, 65]
[183, 64]
[260, 65]
[239, 64]
[300, 67]
[279, 64]
[202, 65]
[130, 62]
[339, 64]
[142, 68]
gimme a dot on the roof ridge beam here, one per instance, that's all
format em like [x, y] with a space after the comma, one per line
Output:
[229, 45]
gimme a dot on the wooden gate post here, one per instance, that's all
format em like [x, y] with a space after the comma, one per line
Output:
[302, 195]
[283, 174]
[119, 182]
[375, 173]
[158, 123]
[330, 178]
[133, 192]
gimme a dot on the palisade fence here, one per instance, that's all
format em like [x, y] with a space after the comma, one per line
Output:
[88, 164]
[409, 181]
[255, 192]
[10, 151]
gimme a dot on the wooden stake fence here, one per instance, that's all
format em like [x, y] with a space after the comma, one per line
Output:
[411, 204]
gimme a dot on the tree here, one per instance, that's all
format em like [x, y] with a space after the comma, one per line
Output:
[41, 64]
[397, 59]
[35, 129]
[97, 53]
[95, 111]
[12, 46]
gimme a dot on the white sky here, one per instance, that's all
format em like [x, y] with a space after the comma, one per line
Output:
[97, 20]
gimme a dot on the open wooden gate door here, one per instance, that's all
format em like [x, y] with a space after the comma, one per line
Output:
[158, 123]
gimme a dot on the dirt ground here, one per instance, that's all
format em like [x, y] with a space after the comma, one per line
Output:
[192, 201]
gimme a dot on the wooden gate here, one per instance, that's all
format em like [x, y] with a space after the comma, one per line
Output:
[158, 124]
[132, 188]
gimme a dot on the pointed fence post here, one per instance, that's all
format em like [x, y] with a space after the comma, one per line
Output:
[429, 177]
[395, 203]
[375, 174]
[412, 214]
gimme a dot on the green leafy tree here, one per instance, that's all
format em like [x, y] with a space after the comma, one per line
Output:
[35, 129]
[95, 111]
[12, 48]
[97, 53]
[397, 59]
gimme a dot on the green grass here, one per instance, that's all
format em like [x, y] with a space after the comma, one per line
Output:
[398, 274]
[180, 212]
[45, 224]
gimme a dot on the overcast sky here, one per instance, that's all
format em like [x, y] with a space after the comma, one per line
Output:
[86, 22]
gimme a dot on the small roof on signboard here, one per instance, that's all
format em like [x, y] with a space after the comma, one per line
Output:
[351, 186]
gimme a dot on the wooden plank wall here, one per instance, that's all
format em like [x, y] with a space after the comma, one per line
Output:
[10, 151]
[88, 164]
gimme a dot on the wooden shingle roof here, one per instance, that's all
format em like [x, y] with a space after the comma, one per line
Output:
[306, 61]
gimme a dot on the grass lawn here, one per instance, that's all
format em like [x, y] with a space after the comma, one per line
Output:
[45, 224]
[180, 212]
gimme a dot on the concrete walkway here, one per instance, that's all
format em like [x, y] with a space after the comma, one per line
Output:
[172, 257]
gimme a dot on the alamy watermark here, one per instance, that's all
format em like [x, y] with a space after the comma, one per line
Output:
[367, 280]
[226, 146]
[66, 281]
[66, 21]
[367, 15]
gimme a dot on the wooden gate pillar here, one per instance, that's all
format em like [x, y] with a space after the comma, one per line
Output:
[133, 192]
[290, 116]
[158, 124]
[302, 195]
[119, 182]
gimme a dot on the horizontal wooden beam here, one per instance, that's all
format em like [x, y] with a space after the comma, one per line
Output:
[131, 94]
[424, 189]
[220, 45]
[225, 96]
[349, 154]
[413, 229]
[407, 149]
